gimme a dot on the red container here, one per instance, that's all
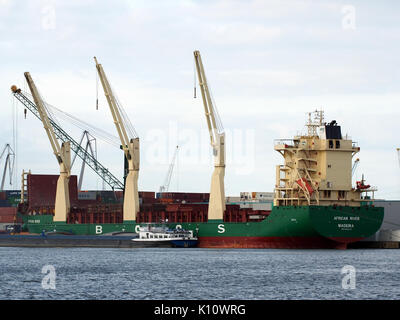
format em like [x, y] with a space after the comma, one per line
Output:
[119, 194]
[3, 195]
[149, 200]
[147, 194]
[185, 196]
[8, 214]
[42, 190]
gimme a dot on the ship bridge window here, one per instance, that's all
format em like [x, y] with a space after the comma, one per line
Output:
[337, 144]
[330, 144]
[327, 193]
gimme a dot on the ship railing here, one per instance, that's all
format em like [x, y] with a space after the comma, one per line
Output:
[370, 189]
[286, 142]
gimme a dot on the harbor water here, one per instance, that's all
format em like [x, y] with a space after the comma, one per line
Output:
[155, 273]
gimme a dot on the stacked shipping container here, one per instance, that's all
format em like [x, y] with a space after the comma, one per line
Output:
[42, 190]
[8, 215]
[106, 206]
[179, 213]
[10, 198]
[183, 197]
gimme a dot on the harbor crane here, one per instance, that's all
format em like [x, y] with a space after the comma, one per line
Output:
[88, 147]
[130, 146]
[165, 186]
[216, 205]
[76, 147]
[62, 153]
[9, 163]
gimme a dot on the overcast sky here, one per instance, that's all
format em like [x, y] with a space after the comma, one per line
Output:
[268, 64]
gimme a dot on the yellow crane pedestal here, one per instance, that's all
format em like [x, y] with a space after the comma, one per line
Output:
[216, 205]
[131, 195]
[62, 204]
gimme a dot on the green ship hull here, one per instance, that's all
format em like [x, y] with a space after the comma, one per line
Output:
[286, 227]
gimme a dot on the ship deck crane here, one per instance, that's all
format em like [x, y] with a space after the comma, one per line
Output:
[88, 158]
[130, 146]
[216, 205]
[165, 186]
[9, 163]
[62, 153]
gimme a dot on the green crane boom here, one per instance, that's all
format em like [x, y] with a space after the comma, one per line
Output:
[88, 158]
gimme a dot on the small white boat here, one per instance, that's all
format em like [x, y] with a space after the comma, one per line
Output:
[163, 236]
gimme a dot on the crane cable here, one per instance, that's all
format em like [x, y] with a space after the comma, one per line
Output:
[220, 127]
[218, 122]
[14, 169]
[194, 79]
[125, 119]
[97, 91]
[82, 125]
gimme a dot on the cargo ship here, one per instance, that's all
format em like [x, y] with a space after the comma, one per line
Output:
[315, 204]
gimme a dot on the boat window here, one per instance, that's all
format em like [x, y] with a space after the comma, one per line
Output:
[330, 144]
[337, 144]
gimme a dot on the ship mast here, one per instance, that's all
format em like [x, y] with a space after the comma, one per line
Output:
[216, 205]
[130, 146]
[313, 124]
[62, 153]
